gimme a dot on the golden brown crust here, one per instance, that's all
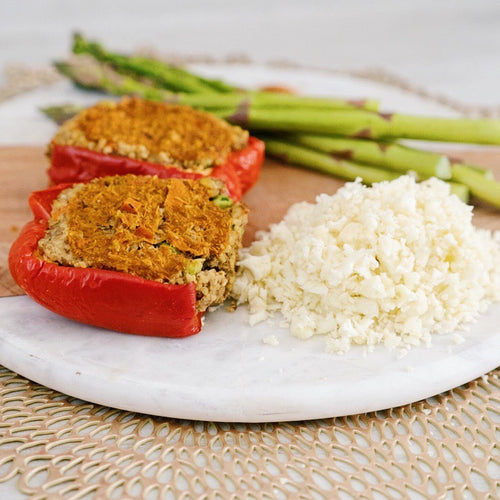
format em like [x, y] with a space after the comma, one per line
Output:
[168, 230]
[192, 224]
[152, 131]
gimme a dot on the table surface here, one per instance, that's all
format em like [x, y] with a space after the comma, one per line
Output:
[448, 47]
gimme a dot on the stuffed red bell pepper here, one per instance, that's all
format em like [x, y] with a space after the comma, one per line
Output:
[136, 254]
[140, 137]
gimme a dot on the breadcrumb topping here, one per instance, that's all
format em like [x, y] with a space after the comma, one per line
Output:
[155, 132]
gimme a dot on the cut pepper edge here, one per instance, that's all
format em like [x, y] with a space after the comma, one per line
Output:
[71, 164]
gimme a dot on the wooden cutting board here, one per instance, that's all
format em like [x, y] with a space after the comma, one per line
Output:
[22, 170]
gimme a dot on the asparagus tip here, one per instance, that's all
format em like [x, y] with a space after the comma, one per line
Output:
[62, 67]
[78, 40]
[61, 113]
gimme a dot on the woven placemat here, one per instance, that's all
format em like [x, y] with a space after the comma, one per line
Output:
[60, 447]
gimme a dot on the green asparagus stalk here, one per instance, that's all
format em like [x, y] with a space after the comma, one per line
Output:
[481, 187]
[368, 125]
[348, 170]
[242, 102]
[89, 73]
[481, 170]
[321, 162]
[103, 78]
[179, 80]
[460, 190]
[392, 156]
[161, 74]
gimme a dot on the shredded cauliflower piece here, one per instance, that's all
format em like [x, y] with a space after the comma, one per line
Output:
[390, 264]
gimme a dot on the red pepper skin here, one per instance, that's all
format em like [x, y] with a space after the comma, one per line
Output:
[108, 299]
[247, 162]
[75, 164]
[41, 202]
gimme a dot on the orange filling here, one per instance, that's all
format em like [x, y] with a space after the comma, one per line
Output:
[160, 132]
[143, 225]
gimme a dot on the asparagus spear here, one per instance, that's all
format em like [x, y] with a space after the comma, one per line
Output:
[94, 76]
[460, 190]
[365, 124]
[386, 155]
[178, 79]
[481, 170]
[348, 170]
[242, 102]
[389, 155]
[321, 162]
[89, 73]
[162, 74]
[481, 187]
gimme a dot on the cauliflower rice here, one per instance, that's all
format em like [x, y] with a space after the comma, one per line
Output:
[391, 264]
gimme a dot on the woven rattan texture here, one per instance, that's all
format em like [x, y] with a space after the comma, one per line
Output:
[60, 447]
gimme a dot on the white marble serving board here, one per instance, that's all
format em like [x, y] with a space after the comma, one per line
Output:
[227, 373]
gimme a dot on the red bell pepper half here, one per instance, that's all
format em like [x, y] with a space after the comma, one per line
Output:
[108, 299]
[75, 164]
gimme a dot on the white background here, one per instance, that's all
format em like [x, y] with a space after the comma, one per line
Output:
[449, 46]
